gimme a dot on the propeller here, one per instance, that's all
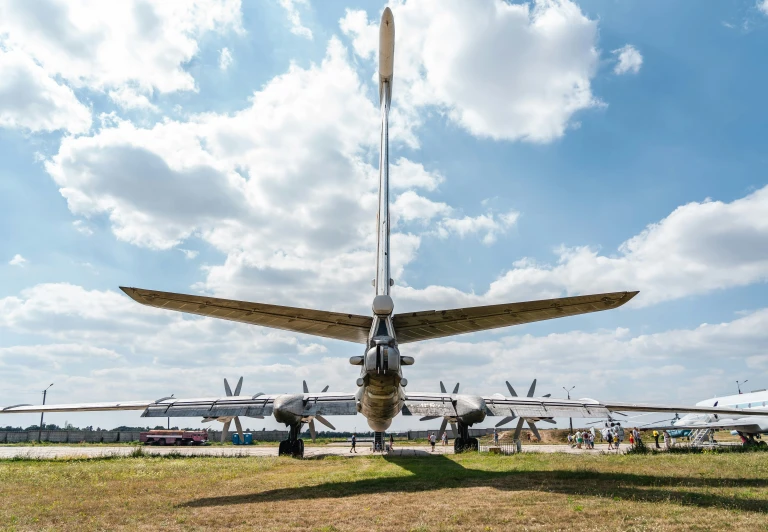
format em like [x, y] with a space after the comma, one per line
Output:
[676, 418]
[522, 420]
[446, 419]
[227, 420]
[311, 419]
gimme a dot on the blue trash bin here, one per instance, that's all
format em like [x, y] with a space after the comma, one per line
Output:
[247, 436]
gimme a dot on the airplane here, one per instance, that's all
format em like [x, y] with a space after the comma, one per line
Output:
[381, 393]
[748, 427]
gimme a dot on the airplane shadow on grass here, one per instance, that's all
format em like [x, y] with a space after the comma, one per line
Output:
[439, 472]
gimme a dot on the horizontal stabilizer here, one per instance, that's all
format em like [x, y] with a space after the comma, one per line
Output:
[425, 325]
[349, 327]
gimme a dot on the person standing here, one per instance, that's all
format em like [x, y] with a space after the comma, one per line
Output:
[432, 441]
[354, 441]
[666, 440]
[656, 437]
[495, 437]
[391, 441]
[445, 438]
[609, 436]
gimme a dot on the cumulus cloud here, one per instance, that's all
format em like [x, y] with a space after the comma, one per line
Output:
[294, 17]
[498, 69]
[700, 247]
[629, 60]
[30, 99]
[762, 5]
[17, 260]
[105, 45]
[102, 345]
[129, 98]
[225, 59]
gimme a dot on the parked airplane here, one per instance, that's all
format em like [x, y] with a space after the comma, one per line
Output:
[381, 393]
[747, 426]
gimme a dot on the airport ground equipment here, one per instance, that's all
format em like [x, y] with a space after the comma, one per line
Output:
[174, 437]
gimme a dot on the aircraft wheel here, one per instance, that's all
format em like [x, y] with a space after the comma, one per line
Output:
[282, 449]
[458, 445]
[473, 444]
[298, 449]
[763, 444]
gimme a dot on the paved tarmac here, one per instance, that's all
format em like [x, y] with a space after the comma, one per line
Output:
[96, 451]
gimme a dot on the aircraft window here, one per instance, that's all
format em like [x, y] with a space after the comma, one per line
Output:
[382, 330]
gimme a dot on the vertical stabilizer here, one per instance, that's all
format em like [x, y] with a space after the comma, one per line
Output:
[386, 67]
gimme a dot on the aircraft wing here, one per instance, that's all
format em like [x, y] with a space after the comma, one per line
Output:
[428, 324]
[743, 425]
[349, 327]
[441, 404]
[329, 404]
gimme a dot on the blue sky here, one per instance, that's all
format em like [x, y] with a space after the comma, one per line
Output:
[549, 149]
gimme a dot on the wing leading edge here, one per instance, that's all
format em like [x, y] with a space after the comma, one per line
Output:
[328, 404]
[349, 327]
[425, 325]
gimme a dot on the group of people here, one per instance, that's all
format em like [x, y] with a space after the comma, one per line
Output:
[582, 439]
[432, 438]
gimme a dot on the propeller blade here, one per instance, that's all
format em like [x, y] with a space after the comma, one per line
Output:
[306, 388]
[511, 389]
[518, 429]
[455, 430]
[532, 388]
[548, 395]
[505, 420]
[535, 431]
[428, 418]
[227, 388]
[325, 422]
[443, 425]
[225, 432]
[325, 389]
[442, 387]
[239, 386]
[548, 420]
[239, 430]
[456, 388]
[594, 422]
[312, 431]
[623, 414]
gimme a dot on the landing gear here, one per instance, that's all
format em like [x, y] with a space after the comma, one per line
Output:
[463, 442]
[293, 446]
[469, 444]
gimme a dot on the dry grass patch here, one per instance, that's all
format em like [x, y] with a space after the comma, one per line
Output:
[465, 492]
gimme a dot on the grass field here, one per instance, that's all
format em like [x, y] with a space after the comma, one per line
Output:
[465, 492]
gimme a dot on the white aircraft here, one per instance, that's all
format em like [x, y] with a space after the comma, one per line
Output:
[745, 425]
[381, 393]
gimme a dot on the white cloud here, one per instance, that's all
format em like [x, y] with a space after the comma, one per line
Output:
[17, 260]
[81, 227]
[762, 5]
[105, 346]
[698, 248]
[225, 59]
[297, 28]
[189, 253]
[129, 98]
[488, 224]
[629, 60]
[105, 45]
[30, 99]
[500, 70]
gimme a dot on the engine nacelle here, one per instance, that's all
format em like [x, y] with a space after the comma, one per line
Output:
[470, 409]
[288, 408]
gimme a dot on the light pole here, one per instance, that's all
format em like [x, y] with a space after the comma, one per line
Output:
[40, 429]
[738, 384]
[570, 419]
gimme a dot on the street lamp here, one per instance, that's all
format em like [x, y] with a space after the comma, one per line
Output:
[40, 429]
[738, 384]
[570, 419]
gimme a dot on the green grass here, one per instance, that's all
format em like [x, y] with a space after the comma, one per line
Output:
[465, 492]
